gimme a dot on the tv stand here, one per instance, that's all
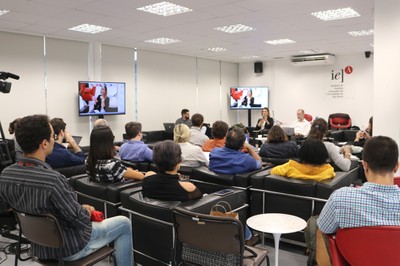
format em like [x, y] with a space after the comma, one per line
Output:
[249, 117]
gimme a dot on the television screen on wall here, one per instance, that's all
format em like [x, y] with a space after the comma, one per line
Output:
[101, 98]
[248, 97]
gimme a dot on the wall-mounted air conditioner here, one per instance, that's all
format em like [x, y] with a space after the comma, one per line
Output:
[312, 60]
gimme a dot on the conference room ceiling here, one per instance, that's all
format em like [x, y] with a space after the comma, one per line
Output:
[270, 19]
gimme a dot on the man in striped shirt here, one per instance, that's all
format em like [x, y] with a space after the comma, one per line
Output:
[377, 202]
[31, 186]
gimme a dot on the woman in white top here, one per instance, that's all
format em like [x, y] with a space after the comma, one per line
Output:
[318, 130]
[192, 156]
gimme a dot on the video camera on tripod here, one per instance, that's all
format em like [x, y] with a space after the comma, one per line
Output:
[5, 86]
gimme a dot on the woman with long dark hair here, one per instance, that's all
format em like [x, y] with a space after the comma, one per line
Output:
[101, 165]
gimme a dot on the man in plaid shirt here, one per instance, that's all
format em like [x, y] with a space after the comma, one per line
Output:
[377, 202]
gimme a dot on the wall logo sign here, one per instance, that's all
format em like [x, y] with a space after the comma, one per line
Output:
[341, 84]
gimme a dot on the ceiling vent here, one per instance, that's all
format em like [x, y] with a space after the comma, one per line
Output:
[313, 60]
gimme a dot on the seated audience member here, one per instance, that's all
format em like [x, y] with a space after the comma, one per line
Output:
[192, 156]
[135, 149]
[101, 122]
[61, 156]
[101, 165]
[265, 122]
[230, 159]
[218, 131]
[185, 119]
[377, 202]
[319, 130]
[197, 137]
[11, 130]
[166, 185]
[312, 165]
[364, 135]
[31, 186]
[301, 125]
[277, 145]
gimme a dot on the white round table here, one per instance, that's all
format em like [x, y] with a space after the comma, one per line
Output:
[276, 224]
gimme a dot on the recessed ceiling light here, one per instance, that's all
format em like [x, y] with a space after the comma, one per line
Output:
[164, 9]
[88, 28]
[361, 32]
[163, 40]
[250, 57]
[311, 51]
[340, 13]
[234, 28]
[280, 41]
[216, 49]
[3, 11]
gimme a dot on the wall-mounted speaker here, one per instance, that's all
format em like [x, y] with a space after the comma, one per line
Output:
[258, 67]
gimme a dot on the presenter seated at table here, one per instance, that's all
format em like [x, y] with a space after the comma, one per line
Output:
[277, 145]
[337, 155]
[101, 165]
[265, 122]
[167, 184]
[184, 119]
[301, 125]
[218, 132]
[312, 165]
[192, 156]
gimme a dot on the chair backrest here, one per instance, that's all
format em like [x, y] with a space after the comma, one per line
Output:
[42, 229]
[308, 117]
[339, 120]
[204, 236]
[373, 245]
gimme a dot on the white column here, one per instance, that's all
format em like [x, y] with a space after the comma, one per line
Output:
[386, 104]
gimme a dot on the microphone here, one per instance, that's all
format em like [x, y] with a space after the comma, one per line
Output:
[6, 75]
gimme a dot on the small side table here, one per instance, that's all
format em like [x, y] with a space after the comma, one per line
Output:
[276, 224]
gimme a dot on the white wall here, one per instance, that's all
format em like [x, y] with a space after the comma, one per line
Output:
[166, 83]
[293, 87]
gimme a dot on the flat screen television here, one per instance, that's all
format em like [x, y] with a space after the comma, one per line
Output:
[101, 98]
[248, 97]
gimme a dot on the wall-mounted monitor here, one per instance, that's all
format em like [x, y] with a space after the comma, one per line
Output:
[248, 97]
[101, 98]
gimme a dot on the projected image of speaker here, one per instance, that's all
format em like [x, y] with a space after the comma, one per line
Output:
[258, 67]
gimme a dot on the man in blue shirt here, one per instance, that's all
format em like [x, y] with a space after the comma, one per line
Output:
[135, 150]
[230, 159]
[377, 202]
[61, 156]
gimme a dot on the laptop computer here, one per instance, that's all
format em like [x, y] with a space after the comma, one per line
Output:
[77, 139]
[289, 131]
[169, 126]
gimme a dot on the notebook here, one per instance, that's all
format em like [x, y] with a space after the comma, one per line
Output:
[289, 131]
[169, 126]
[77, 139]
